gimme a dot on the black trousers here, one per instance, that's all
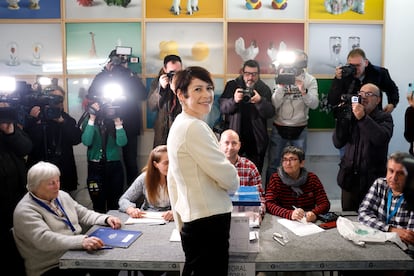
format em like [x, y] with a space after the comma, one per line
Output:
[205, 244]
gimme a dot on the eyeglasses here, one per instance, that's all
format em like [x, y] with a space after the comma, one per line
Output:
[367, 94]
[253, 74]
[286, 160]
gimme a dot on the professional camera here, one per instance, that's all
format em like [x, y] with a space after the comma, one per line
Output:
[289, 65]
[286, 76]
[170, 75]
[348, 70]
[120, 55]
[49, 104]
[248, 93]
[107, 109]
[344, 109]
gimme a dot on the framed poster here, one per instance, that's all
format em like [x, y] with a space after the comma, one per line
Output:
[211, 117]
[322, 117]
[248, 40]
[346, 10]
[30, 9]
[89, 44]
[30, 49]
[198, 44]
[186, 9]
[329, 45]
[100, 9]
[266, 10]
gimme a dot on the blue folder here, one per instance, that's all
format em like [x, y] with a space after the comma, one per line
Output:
[116, 237]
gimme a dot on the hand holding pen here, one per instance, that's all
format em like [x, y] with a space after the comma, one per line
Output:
[300, 215]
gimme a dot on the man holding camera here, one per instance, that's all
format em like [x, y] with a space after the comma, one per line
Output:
[163, 99]
[246, 104]
[53, 133]
[358, 71]
[130, 107]
[292, 99]
[365, 135]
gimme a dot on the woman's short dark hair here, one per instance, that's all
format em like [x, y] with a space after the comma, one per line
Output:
[294, 150]
[182, 79]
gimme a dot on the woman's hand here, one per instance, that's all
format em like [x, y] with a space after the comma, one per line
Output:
[168, 216]
[92, 243]
[134, 212]
[114, 222]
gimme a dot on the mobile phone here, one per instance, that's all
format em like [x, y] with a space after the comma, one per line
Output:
[355, 99]
[327, 217]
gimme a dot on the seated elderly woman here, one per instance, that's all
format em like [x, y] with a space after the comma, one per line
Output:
[47, 223]
[293, 192]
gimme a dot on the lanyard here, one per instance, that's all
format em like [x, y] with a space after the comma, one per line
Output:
[44, 205]
[397, 205]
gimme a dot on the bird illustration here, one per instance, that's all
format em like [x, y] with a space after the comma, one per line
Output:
[246, 53]
[272, 51]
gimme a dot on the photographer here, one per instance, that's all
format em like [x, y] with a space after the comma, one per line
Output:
[246, 103]
[291, 100]
[104, 135]
[365, 136]
[164, 100]
[358, 71]
[53, 133]
[117, 71]
[14, 146]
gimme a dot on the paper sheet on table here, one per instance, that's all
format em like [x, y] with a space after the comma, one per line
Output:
[148, 217]
[300, 228]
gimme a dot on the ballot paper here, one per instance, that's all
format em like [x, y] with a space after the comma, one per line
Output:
[148, 218]
[300, 228]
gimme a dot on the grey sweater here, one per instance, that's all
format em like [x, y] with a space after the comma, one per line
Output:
[42, 237]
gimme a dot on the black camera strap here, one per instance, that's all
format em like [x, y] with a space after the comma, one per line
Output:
[104, 137]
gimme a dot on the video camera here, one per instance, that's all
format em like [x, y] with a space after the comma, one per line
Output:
[109, 102]
[344, 109]
[348, 70]
[16, 104]
[120, 55]
[289, 65]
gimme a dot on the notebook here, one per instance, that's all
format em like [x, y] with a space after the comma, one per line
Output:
[116, 237]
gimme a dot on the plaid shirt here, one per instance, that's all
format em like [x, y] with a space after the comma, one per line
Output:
[250, 176]
[373, 209]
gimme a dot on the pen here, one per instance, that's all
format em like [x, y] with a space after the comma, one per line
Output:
[294, 207]
[278, 240]
[106, 247]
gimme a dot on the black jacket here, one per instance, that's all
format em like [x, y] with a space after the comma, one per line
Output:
[373, 74]
[53, 142]
[133, 90]
[366, 148]
[256, 114]
[409, 127]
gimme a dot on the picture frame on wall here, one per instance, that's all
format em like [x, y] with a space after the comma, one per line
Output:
[329, 45]
[247, 40]
[266, 10]
[197, 43]
[176, 9]
[30, 9]
[30, 49]
[369, 10]
[211, 118]
[102, 10]
[89, 45]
